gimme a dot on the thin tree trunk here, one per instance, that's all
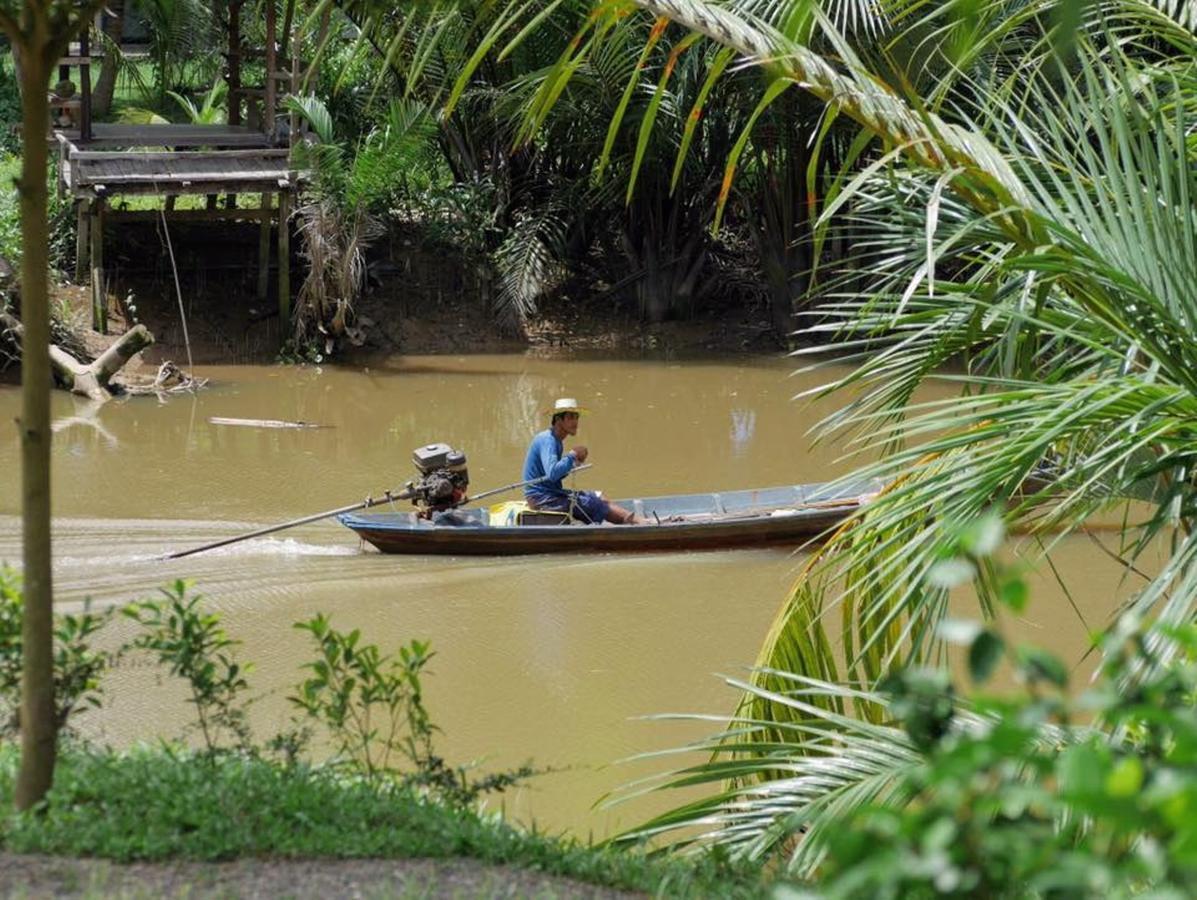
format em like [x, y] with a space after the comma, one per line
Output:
[101, 97]
[38, 733]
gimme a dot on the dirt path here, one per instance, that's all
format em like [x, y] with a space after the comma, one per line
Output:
[46, 876]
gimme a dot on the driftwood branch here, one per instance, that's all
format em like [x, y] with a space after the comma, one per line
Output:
[89, 380]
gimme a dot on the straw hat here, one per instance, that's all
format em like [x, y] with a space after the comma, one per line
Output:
[566, 405]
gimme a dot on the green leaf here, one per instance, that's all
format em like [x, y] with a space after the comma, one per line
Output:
[633, 82]
[984, 655]
[1039, 665]
[1082, 770]
[775, 90]
[1014, 594]
[1126, 777]
[650, 115]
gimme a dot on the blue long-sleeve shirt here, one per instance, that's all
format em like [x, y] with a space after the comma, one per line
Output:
[544, 458]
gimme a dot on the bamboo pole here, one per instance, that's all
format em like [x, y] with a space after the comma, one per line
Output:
[264, 248]
[82, 220]
[99, 296]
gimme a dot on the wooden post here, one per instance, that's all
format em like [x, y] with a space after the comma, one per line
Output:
[289, 50]
[293, 120]
[264, 248]
[85, 84]
[234, 77]
[284, 263]
[271, 89]
[99, 296]
[81, 240]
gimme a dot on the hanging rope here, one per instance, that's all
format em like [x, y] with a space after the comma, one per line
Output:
[178, 290]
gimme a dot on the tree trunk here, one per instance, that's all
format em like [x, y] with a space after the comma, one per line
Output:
[38, 733]
[101, 97]
[91, 380]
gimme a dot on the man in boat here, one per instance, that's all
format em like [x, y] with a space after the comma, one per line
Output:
[545, 458]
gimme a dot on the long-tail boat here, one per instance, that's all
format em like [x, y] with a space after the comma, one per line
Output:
[746, 518]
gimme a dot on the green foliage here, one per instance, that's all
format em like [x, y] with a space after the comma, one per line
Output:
[372, 705]
[157, 804]
[194, 646]
[338, 218]
[1032, 793]
[10, 210]
[209, 111]
[1031, 804]
[10, 107]
[182, 34]
[77, 667]
[60, 212]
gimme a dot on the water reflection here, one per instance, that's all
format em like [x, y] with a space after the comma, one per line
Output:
[742, 428]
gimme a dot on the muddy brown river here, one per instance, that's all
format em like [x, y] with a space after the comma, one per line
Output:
[556, 659]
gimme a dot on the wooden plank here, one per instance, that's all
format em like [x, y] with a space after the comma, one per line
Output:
[185, 180]
[175, 155]
[162, 189]
[116, 134]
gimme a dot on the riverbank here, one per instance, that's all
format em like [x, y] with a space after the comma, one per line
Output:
[164, 822]
[417, 300]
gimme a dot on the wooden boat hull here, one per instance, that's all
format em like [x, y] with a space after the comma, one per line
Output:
[761, 517]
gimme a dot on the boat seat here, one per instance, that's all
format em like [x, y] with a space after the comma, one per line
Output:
[542, 517]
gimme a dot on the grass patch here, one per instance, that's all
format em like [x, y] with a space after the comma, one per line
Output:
[160, 803]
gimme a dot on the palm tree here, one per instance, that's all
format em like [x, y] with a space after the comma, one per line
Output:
[1023, 205]
[337, 217]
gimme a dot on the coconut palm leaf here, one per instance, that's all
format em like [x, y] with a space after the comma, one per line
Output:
[527, 263]
[783, 787]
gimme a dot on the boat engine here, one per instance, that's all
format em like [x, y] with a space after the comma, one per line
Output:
[443, 478]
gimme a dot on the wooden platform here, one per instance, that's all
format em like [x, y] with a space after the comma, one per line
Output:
[93, 177]
[88, 174]
[112, 135]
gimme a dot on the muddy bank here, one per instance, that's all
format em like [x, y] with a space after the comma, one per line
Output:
[418, 300]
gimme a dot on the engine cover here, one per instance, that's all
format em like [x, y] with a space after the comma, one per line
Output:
[443, 480]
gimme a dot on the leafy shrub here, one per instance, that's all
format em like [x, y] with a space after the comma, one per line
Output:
[194, 646]
[77, 667]
[10, 108]
[60, 212]
[373, 706]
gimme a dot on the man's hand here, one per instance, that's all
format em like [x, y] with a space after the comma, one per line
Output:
[580, 453]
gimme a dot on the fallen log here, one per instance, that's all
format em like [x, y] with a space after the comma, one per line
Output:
[90, 380]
